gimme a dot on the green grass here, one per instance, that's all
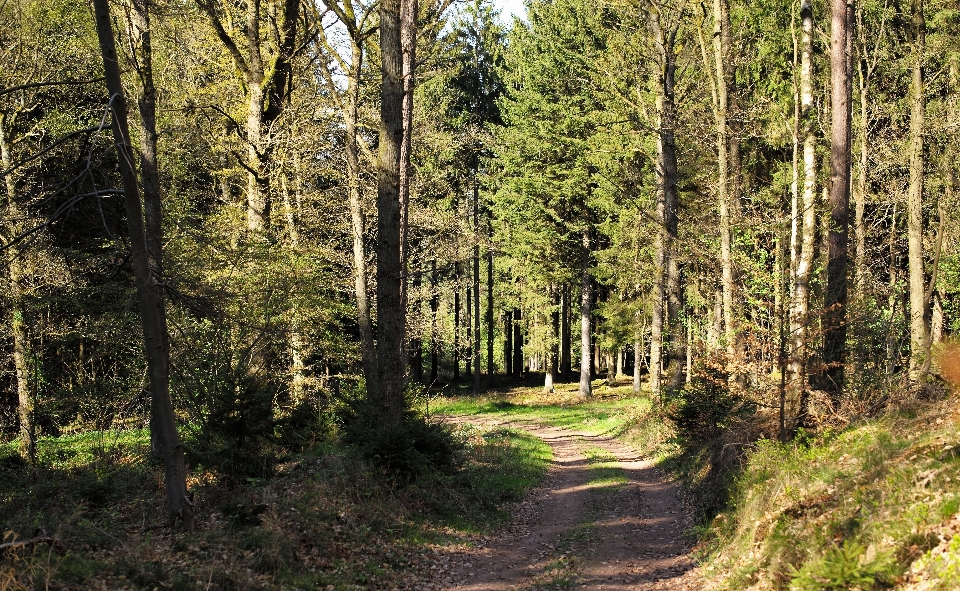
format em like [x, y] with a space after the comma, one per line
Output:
[605, 471]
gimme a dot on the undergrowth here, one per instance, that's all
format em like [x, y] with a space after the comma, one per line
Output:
[324, 518]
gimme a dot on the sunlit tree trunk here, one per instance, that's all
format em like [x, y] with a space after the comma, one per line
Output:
[154, 324]
[799, 317]
[919, 329]
[721, 53]
[586, 348]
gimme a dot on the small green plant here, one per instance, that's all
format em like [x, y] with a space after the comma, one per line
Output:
[845, 567]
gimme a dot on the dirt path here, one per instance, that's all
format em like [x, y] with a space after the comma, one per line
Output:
[579, 530]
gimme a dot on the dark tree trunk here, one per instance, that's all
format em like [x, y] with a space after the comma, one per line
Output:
[565, 333]
[835, 289]
[138, 30]
[468, 360]
[390, 311]
[508, 343]
[154, 324]
[416, 344]
[476, 288]
[456, 328]
[490, 329]
[517, 345]
[408, 44]
[434, 308]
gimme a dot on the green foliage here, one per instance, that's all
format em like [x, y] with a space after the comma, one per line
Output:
[844, 567]
[706, 406]
[416, 447]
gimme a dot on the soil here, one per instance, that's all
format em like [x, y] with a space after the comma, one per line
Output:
[577, 532]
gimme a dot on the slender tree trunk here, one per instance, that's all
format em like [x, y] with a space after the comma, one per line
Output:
[416, 343]
[434, 309]
[298, 345]
[490, 328]
[408, 44]
[835, 289]
[586, 349]
[456, 328]
[368, 349]
[18, 324]
[508, 343]
[666, 173]
[154, 325]
[919, 329]
[620, 353]
[390, 311]
[799, 319]
[637, 358]
[550, 375]
[468, 360]
[138, 31]
[721, 54]
[476, 286]
[892, 280]
[517, 345]
[565, 334]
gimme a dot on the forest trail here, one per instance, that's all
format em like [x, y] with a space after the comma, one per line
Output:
[603, 518]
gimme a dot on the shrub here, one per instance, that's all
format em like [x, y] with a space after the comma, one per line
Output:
[417, 446]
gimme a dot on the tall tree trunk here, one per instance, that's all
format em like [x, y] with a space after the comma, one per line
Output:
[490, 328]
[138, 31]
[586, 348]
[368, 348]
[468, 360]
[456, 327]
[390, 311]
[835, 289]
[637, 358]
[18, 324]
[434, 309]
[666, 174]
[721, 55]
[508, 343]
[517, 345]
[919, 329]
[476, 287]
[799, 319]
[550, 375]
[408, 44]
[892, 281]
[154, 324]
[565, 333]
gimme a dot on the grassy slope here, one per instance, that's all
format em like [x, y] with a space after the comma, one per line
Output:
[325, 521]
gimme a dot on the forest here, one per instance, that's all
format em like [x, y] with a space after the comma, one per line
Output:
[372, 262]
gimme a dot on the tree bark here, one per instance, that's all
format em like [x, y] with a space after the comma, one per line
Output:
[919, 329]
[456, 327]
[799, 320]
[565, 333]
[508, 343]
[154, 324]
[390, 311]
[517, 345]
[586, 348]
[18, 325]
[434, 309]
[835, 288]
[416, 343]
[476, 287]
[490, 328]
[721, 54]
[368, 349]
[666, 174]
[637, 358]
[550, 375]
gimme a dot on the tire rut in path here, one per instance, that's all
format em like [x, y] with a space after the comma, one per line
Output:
[571, 533]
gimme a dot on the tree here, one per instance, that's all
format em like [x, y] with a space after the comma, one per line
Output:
[148, 289]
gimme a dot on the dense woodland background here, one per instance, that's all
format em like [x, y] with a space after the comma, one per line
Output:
[679, 183]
